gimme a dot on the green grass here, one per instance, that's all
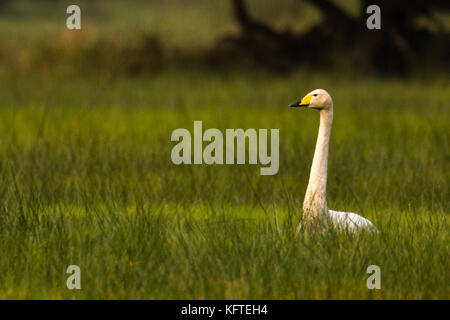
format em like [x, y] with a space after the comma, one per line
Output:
[86, 179]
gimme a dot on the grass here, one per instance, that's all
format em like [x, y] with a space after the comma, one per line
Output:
[86, 179]
[86, 176]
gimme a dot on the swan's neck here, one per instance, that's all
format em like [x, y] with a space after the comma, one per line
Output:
[315, 202]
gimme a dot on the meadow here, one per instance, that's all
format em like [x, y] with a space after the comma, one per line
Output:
[89, 181]
[86, 178]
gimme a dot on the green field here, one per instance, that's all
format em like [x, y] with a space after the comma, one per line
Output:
[86, 179]
[86, 176]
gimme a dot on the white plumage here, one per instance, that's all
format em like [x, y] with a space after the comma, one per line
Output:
[349, 220]
[315, 202]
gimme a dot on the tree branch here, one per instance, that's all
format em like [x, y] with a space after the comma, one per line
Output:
[248, 24]
[332, 12]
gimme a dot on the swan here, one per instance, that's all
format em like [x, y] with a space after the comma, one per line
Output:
[315, 202]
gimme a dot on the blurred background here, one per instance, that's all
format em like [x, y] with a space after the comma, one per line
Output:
[144, 37]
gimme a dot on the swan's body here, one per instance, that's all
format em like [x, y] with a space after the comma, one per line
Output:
[349, 220]
[315, 202]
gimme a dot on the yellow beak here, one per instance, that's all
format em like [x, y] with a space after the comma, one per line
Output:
[306, 100]
[302, 103]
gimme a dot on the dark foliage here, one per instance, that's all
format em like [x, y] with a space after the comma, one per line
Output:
[394, 49]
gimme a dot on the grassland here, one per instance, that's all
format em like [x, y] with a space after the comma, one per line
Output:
[86, 179]
[86, 176]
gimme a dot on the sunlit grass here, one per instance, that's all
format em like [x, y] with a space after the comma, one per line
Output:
[86, 178]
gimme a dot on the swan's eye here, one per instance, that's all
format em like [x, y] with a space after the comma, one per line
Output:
[315, 95]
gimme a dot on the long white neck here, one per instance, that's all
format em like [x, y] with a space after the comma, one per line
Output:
[315, 202]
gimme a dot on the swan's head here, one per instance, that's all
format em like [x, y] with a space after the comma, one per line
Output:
[318, 99]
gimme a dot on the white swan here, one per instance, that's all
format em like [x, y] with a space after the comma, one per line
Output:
[315, 203]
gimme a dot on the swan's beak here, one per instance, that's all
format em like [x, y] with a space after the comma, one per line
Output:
[302, 103]
[297, 104]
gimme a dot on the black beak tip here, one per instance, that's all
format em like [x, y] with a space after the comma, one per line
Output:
[296, 104]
